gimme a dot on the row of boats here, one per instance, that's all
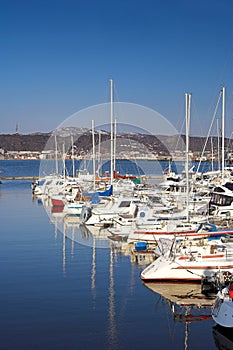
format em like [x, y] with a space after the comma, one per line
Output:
[189, 221]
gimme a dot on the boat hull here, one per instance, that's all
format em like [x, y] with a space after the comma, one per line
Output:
[222, 312]
[189, 266]
[57, 202]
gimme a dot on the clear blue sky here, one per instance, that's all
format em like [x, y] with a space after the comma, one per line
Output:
[57, 56]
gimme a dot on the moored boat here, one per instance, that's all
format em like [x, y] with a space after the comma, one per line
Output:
[189, 260]
[222, 312]
[171, 228]
[58, 201]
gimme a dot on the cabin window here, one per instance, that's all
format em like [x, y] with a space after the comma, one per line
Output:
[229, 185]
[222, 200]
[219, 189]
[124, 204]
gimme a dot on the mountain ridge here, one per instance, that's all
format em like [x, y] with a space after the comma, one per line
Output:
[83, 141]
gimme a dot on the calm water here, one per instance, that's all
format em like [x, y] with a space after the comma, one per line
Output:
[66, 292]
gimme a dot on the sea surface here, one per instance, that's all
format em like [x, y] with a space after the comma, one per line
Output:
[69, 289]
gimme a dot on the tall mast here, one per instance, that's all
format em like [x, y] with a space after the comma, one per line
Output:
[111, 126]
[56, 160]
[212, 154]
[114, 153]
[187, 118]
[218, 146]
[64, 160]
[73, 169]
[93, 145]
[99, 157]
[223, 129]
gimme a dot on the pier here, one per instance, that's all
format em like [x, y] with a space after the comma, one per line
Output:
[2, 178]
[7, 178]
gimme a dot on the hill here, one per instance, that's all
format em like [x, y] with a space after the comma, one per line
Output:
[83, 141]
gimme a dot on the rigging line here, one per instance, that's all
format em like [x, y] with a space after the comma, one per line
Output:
[179, 138]
[197, 274]
[208, 134]
[181, 119]
[195, 112]
[135, 160]
[116, 93]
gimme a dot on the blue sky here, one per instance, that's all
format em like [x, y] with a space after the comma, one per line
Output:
[57, 57]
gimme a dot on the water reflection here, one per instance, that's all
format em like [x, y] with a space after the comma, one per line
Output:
[112, 321]
[95, 237]
[183, 294]
[91, 235]
[185, 303]
[223, 338]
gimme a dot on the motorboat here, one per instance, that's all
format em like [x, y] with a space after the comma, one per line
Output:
[162, 229]
[74, 208]
[175, 227]
[189, 259]
[221, 203]
[103, 215]
[222, 312]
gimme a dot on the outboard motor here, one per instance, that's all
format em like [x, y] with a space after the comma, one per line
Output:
[85, 214]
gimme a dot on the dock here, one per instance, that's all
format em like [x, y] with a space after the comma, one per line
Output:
[2, 178]
[9, 178]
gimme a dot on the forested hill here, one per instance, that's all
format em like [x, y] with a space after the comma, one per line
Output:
[37, 141]
[18, 142]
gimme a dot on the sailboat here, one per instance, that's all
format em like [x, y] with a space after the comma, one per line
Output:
[177, 226]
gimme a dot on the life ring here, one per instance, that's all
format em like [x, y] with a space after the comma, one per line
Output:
[227, 276]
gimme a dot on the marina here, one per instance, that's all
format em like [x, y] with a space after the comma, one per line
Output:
[70, 284]
[116, 175]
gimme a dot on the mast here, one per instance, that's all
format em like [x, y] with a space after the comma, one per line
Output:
[218, 146]
[56, 160]
[99, 157]
[111, 128]
[223, 129]
[214, 115]
[114, 153]
[93, 145]
[187, 118]
[73, 169]
[64, 160]
[212, 154]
